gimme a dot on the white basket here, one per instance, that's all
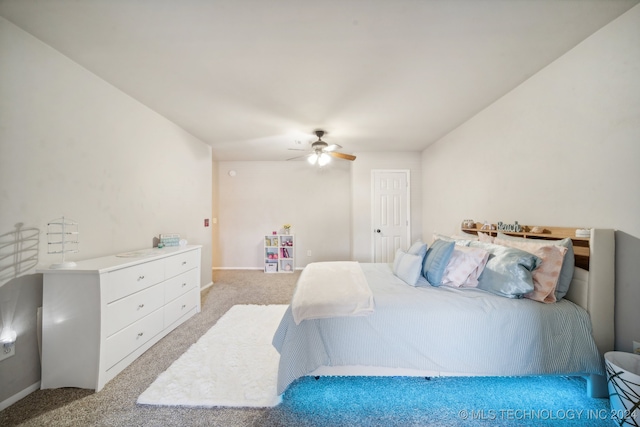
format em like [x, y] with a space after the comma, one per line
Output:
[623, 382]
[271, 267]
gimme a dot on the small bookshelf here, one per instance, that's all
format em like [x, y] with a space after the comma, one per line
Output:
[279, 253]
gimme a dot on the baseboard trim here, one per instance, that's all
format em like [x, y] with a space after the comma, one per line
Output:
[208, 285]
[24, 393]
[246, 268]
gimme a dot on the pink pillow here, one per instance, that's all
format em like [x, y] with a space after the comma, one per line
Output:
[464, 267]
[545, 277]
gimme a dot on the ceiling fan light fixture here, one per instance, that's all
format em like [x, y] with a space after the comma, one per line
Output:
[321, 152]
[324, 159]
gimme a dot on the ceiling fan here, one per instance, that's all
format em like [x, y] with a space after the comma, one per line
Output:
[321, 152]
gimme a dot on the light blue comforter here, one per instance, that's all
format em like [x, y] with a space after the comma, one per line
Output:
[447, 330]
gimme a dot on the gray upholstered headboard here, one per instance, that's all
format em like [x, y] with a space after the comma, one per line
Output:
[594, 290]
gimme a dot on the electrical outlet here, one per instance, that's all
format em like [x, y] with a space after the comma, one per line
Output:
[636, 347]
[7, 352]
[309, 252]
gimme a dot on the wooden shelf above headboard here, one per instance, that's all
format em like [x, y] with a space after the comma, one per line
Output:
[580, 244]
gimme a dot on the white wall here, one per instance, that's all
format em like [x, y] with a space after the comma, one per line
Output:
[72, 144]
[561, 149]
[361, 201]
[263, 196]
[329, 208]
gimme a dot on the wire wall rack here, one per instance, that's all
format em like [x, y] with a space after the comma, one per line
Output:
[63, 238]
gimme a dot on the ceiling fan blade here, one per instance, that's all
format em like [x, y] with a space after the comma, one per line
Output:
[333, 147]
[341, 155]
[300, 157]
[298, 149]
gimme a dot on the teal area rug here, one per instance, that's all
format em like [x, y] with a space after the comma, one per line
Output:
[443, 401]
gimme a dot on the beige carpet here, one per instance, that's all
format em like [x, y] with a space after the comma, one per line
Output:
[115, 404]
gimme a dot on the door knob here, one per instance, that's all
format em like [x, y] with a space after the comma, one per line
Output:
[377, 230]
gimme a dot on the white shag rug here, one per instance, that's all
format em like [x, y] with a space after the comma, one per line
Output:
[233, 364]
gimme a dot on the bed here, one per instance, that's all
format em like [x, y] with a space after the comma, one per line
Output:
[442, 331]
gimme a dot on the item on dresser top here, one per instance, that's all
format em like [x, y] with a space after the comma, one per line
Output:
[63, 238]
[170, 239]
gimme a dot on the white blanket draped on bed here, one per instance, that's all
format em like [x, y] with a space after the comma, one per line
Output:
[331, 289]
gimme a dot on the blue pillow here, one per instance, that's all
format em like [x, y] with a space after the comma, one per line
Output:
[418, 248]
[407, 267]
[508, 270]
[436, 261]
[568, 263]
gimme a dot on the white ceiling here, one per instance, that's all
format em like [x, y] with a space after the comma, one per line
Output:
[253, 78]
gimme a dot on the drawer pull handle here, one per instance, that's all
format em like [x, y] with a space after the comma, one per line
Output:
[183, 306]
[140, 278]
[141, 305]
[184, 262]
[140, 334]
[184, 284]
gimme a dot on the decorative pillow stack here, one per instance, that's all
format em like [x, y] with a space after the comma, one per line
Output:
[508, 270]
[445, 263]
[555, 267]
[545, 277]
[420, 259]
[511, 267]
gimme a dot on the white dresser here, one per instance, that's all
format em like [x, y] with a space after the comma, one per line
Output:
[99, 316]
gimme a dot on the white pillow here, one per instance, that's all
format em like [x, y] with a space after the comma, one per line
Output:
[407, 267]
[418, 248]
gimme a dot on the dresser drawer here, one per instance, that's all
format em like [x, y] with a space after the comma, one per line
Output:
[119, 345]
[180, 306]
[180, 263]
[127, 310]
[126, 281]
[178, 285]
